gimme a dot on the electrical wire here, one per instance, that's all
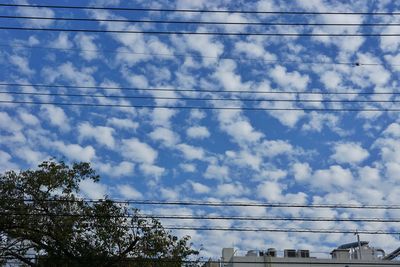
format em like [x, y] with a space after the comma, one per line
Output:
[357, 64]
[194, 90]
[253, 229]
[203, 22]
[202, 10]
[216, 204]
[201, 98]
[205, 33]
[13, 102]
[208, 217]
[283, 230]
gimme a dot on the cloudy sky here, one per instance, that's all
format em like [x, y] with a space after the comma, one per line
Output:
[237, 149]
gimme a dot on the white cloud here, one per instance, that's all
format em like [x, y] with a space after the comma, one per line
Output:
[123, 169]
[289, 80]
[28, 118]
[271, 191]
[169, 193]
[30, 156]
[245, 158]
[331, 79]
[36, 12]
[233, 190]
[333, 178]
[217, 172]
[253, 50]
[388, 148]
[62, 41]
[369, 176]
[162, 117]
[272, 174]
[199, 188]
[301, 171]
[196, 114]
[128, 192]
[56, 116]
[273, 148]
[122, 123]
[198, 132]
[349, 153]
[392, 170]
[203, 44]
[225, 74]
[103, 135]
[238, 127]
[152, 170]
[22, 64]
[139, 81]
[191, 152]
[6, 162]
[288, 118]
[392, 130]
[8, 124]
[318, 120]
[187, 167]
[138, 151]
[69, 72]
[75, 151]
[88, 46]
[164, 135]
[93, 190]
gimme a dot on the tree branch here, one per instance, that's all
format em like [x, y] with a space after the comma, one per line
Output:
[123, 254]
[21, 258]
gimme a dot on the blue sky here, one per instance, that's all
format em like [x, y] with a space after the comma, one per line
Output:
[284, 156]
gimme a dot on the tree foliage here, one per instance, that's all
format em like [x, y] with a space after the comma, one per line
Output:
[43, 217]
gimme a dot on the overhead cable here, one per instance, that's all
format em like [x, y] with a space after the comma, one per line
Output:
[14, 102]
[122, 88]
[260, 100]
[205, 33]
[281, 61]
[283, 230]
[187, 22]
[379, 13]
[208, 217]
[219, 204]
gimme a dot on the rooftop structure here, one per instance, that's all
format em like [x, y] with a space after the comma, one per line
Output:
[358, 254]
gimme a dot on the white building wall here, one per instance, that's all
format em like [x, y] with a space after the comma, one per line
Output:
[266, 261]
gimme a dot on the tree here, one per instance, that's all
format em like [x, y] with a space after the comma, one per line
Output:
[43, 217]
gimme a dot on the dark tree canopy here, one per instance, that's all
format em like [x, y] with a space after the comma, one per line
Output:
[43, 217]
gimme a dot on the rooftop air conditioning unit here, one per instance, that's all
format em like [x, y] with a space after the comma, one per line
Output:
[290, 253]
[252, 253]
[271, 252]
[303, 253]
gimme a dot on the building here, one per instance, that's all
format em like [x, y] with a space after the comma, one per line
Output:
[358, 254]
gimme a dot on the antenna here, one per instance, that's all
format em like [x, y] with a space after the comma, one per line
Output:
[359, 244]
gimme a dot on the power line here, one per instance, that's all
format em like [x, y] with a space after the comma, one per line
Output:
[217, 204]
[208, 217]
[206, 33]
[204, 10]
[344, 101]
[198, 56]
[271, 230]
[201, 107]
[194, 90]
[186, 22]
[265, 229]
[282, 230]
